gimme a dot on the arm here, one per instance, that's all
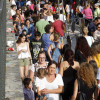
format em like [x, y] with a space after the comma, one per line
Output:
[75, 91]
[49, 49]
[61, 68]
[38, 92]
[18, 52]
[28, 50]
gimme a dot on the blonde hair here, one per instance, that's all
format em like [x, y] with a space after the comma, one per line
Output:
[85, 30]
[56, 36]
[41, 73]
[86, 73]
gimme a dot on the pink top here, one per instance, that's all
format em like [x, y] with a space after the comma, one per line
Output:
[88, 13]
[31, 6]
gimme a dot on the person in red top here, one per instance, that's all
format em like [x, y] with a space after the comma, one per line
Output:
[58, 25]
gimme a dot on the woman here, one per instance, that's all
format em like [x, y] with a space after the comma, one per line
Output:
[86, 81]
[89, 39]
[53, 82]
[24, 55]
[88, 14]
[68, 69]
[55, 47]
[82, 50]
[47, 38]
[40, 64]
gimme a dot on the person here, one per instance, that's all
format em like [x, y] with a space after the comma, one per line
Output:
[97, 10]
[96, 34]
[36, 46]
[62, 17]
[24, 55]
[82, 50]
[88, 14]
[89, 39]
[39, 82]
[29, 28]
[47, 39]
[86, 81]
[40, 25]
[53, 82]
[55, 47]
[68, 70]
[27, 90]
[13, 10]
[41, 63]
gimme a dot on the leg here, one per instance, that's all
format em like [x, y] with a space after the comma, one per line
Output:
[44, 98]
[21, 72]
[26, 71]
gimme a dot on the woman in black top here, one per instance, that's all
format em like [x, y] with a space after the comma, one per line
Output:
[86, 82]
[68, 69]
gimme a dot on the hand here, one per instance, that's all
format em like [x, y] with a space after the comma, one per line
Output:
[45, 91]
[39, 94]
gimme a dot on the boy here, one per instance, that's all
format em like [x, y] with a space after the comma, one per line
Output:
[28, 92]
[36, 46]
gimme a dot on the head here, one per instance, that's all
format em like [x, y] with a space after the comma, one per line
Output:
[55, 16]
[96, 20]
[22, 25]
[41, 57]
[37, 35]
[56, 36]
[69, 56]
[49, 28]
[27, 22]
[52, 67]
[82, 46]
[41, 73]
[41, 16]
[21, 39]
[86, 73]
[98, 26]
[24, 32]
[94, 65]
[85, 30]
[17, 11]
[27, 83]
[13, 7]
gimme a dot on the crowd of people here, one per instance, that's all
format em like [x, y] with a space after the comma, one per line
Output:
[49, 68]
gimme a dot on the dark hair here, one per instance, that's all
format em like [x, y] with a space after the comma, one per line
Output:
[41, 16]
[12, 6]
[61, 11]
[14, 17]
[26, 82]
[27, 20]
[55, 16]
[37, 34]
[47, 28]
[69, 56]
[83, 47]
[41, 52]
[94, 65]
[22, 24]
[19, 38]
[52, 62]
[65, 47]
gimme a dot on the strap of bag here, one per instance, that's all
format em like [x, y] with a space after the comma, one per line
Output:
[78, 85]
[54, 49]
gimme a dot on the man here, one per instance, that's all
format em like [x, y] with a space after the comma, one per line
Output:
[40, 25]
[97, 10]
[58, 25]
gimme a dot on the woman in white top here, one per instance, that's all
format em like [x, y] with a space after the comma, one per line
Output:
[89, 39]
[24, 55]
[40, 64]
[53, 82]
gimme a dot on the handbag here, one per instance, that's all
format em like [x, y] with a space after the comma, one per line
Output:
[80, 95]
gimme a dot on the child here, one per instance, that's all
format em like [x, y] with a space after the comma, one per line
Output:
[40, 83]
[36, 46]
[28, 92]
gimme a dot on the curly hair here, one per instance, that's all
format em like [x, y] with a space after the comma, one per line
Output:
[86, 73]
[82, 46]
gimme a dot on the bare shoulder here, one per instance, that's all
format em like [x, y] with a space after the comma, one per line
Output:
[76, 64]
[64, 64]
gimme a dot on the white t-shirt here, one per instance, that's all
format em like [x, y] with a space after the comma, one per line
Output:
[50, 18]
[54, 85]
[13, 12]
[62, 18]
[90, 40]
[40, 83]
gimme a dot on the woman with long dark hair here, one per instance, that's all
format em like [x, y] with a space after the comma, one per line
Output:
[82, 51]
[68, 69]
[24, 55]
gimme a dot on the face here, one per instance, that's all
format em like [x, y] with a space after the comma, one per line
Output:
[51, 29]
[52, 69]
[37, 38]
[30, 85]
[23, 39]
[98, 28]
[42, 58]
[27, 22]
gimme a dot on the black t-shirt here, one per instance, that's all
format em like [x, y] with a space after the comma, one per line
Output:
[35, 47]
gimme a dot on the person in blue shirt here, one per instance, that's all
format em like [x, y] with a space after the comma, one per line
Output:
[29, 28]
